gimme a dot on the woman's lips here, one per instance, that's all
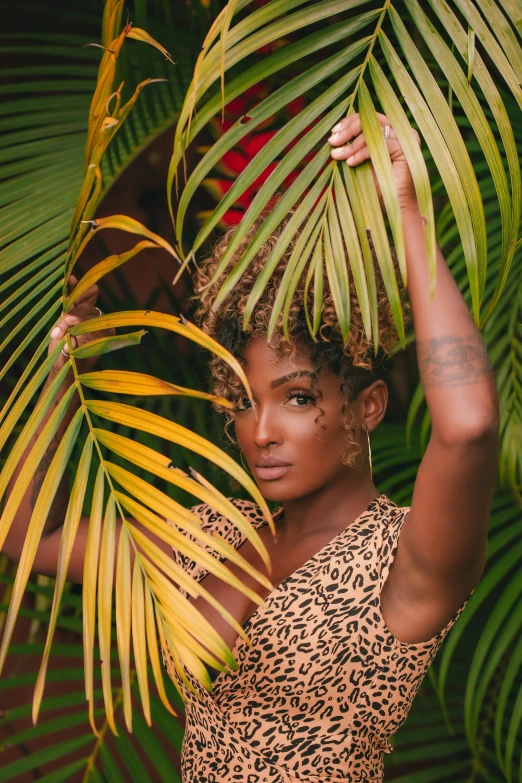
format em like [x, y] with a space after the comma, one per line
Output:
[268, 474]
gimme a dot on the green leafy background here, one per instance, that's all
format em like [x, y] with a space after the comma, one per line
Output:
[465, 724]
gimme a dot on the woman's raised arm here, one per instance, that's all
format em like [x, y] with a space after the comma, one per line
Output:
[443, 543]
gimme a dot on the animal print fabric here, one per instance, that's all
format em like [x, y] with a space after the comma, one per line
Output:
[325, 684]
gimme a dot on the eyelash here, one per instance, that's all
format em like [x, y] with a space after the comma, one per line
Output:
[291, 394]
[301, 393]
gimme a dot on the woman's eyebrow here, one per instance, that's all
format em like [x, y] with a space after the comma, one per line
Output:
[290, 376]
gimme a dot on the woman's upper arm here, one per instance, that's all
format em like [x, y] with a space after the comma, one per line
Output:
[46, 560]
[443, 543]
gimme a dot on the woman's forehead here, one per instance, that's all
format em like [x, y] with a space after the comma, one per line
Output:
[277, 355]
[277, 362]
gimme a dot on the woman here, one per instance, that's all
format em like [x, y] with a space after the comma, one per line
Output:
[342, 643]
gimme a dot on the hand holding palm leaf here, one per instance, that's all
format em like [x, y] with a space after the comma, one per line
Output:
[350, 144]
[84, 308]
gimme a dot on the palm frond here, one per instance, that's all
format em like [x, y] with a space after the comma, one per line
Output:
[417, 66]
[173, 618]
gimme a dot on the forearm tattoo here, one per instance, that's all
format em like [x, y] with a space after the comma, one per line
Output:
[453, 361]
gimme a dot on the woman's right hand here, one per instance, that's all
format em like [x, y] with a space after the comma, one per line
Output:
[84, 308]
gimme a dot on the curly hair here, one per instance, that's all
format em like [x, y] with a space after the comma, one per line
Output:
[354, 362]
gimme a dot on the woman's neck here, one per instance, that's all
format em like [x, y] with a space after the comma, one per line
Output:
[329, 510]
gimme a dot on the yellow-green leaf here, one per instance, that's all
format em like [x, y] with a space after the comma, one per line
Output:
[23, 400]
[67, 537]
[40, 512]
[90, 580]
[161, 466]
[138, 383]
[142, 35]
[33, 460]
[401, 125]
[123, 223]
[355, 258]
[103, 268]
[178, 541]
[152, 646]
[164, 321]
[175, 433]
[123, 620]
[139, 634]
[105, 590]
[108, 344]
[382, 165]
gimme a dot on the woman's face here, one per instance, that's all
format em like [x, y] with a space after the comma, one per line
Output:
[288, 427]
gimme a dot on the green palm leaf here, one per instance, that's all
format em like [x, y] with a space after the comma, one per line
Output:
[417, 87]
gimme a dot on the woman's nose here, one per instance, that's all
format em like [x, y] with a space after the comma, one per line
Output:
[266, 430]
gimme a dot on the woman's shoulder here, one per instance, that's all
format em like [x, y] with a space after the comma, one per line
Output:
[217, 517]
[226, 519]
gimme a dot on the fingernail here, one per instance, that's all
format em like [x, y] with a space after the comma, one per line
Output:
[350, 159]
[56, 332]
[336, 128]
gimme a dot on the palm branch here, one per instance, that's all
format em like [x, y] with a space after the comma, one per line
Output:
[83, 757]
[150, 612]
[343, 57]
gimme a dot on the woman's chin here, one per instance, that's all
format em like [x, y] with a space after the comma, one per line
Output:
[279, 492]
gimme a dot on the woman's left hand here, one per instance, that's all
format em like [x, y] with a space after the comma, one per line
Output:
[350, 145]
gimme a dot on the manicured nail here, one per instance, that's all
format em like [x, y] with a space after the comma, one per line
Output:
[56, 332]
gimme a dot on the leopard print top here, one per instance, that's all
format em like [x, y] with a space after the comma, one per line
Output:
[325, 684]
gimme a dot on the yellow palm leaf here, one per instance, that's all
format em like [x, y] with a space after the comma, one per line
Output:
[156, 425]
[67, 537]
[123, 223]
[164, 321]
[123, 620]
[138, 383]
[161, 466]
[158, 526]
[152, 646]
[142, 35]
[103, 268]
[139, 633]
[105, 589]
[178, 576]
[40, 512]
[90, 580]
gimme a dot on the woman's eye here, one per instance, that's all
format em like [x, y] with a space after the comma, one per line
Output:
[243, 404]
[301, 399]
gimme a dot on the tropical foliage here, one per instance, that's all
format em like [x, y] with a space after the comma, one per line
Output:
[457, 64]
[149, 608]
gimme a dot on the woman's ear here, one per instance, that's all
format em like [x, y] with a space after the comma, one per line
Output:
[373, 402]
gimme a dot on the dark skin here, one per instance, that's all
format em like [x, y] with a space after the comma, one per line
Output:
[442, 545]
